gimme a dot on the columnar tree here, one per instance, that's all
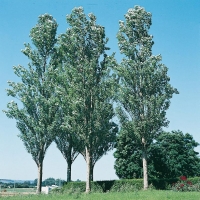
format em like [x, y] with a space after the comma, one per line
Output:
[88, 82]
[145, 89]
[36, 112]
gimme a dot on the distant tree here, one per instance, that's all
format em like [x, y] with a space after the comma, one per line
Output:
[145, 91]
[36, 113]
[173, 155]
[59, 182]
[35, 182]
[89, 85]
[27, 184]
[49, 181]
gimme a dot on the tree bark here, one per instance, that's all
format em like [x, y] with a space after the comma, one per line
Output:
[69, 166]
[69, 159]
[88, 182]
[39, 181]
[145, 171]
[91, 172]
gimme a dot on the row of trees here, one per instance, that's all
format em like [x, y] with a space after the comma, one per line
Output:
[31, 184]
[67, 92]
[25, 184]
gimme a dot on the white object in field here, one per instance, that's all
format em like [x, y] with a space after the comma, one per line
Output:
[45, 190]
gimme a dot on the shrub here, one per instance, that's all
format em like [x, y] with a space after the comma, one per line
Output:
[106, 186]
[127, 185]
[162, 184]
[184, 184]
[130, 185]
[70, 186]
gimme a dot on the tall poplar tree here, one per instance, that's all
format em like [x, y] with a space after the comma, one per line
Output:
[36, 112]
[145, 89]
[88, 84]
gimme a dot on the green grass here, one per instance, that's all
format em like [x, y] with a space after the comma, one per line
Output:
[19, 190]
[140, 195]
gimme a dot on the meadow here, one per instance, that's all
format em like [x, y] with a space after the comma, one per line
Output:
[139, 195]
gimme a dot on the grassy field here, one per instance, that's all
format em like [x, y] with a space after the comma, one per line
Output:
[140, 195]
[16, 191]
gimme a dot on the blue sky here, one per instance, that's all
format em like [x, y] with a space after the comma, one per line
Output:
[176, 31]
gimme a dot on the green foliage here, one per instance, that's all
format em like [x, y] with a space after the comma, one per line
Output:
[52, 181]
[48, 182]
[89, 85]
[73, 186]
[185, 185]
[194, 180]
[127, 185]
[173, 155]
[106, 186]
[124, 185]
[25, 184]
[162, 184]
[145, 91]
[128, 154]
[35, 119]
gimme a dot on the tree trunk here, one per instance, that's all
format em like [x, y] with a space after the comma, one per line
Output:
[145, 172]
[91, 172]
[88, 182]
[39, 181]
[69, 159]
[69, 166]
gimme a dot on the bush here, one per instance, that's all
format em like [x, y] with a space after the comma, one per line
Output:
[128, 185]
[69, 186]
[106, 186]
[185, 184]
[194, 180]
[162, 184]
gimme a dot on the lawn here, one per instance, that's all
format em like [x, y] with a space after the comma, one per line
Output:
[15, 191]
[140, 195]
